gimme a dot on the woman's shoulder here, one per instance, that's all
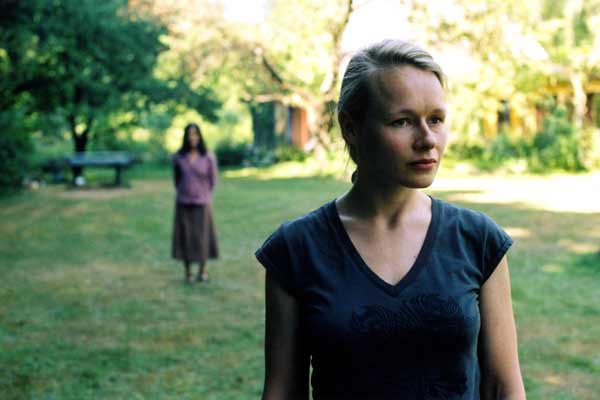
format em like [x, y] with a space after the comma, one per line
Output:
[476, 234]
[288, 244]
[311, 225]
[464, 215]
[473, 225]
[313, 217]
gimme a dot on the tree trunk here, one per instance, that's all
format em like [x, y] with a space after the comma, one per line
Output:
[579, 99]
[325, 123]
[79, 141]
[321, 106]
[326, 111]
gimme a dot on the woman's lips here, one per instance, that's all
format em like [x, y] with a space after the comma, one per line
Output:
[424, 164]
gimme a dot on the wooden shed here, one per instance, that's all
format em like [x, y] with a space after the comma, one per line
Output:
[275, 123]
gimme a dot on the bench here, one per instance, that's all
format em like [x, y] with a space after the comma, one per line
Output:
[55, 167]
[102, 159]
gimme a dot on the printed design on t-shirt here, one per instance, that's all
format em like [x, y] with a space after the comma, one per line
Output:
[422, 336]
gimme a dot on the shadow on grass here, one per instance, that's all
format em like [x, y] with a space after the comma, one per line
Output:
[589, 263]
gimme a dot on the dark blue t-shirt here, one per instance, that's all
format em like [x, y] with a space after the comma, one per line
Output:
[368, 339]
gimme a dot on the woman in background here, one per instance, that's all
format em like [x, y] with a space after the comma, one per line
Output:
[195, 176]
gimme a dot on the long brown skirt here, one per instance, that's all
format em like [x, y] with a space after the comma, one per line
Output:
[194, 235]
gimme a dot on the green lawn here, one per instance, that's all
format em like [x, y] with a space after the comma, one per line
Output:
[92, 306]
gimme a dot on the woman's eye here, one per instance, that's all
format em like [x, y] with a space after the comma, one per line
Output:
[436, 120]
[401, 122]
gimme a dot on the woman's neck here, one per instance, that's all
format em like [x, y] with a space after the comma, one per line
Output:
[387, 205]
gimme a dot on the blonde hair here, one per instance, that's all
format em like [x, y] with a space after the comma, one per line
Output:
[354, 94]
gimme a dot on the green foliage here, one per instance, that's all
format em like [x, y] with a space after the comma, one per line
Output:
[557, 146]
[15, 150]
[465, 151]
[88, 61]
[78, 56]
[109, 68]
[289, 153]
[145, 140]
[492, 154]
[581, 30]
[263, 123]
[83, 71]
[230, 153]
[596, 109]
[502, 149]
[241, 154]
[259, 157]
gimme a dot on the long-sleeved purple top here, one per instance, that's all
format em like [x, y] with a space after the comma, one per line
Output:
[194, 179]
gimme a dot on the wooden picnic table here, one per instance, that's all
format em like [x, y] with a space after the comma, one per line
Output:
[103, 159]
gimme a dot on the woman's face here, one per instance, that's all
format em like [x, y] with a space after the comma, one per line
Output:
[193, 137]
[403, 135]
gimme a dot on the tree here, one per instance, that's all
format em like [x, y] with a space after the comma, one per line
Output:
[509, 51]
[85, 60]
[301, 67]
[309, 64]
[569, 30]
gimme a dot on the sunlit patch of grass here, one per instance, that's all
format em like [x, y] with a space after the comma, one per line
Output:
[580, 247]
[517, 232]
[295, 169]
[554, 380]
[560, 193]
[553, 269]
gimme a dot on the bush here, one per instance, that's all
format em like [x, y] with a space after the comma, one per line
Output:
[231, 154]
[493, 154]
[259, 157]
[15, 151]
[242, 154]
[463, 150]
[289, 153]
[558, 145]
[590, 147]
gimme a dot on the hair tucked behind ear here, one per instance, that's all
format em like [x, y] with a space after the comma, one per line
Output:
[354, 94]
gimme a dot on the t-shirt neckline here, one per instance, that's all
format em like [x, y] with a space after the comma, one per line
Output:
[420, 262]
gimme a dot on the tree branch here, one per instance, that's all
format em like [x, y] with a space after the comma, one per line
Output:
[332, 76]
[284, 85]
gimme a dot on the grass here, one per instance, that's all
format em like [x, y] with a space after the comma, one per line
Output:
[91, 305]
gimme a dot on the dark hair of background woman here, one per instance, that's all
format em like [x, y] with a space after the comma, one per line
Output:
[185, 145]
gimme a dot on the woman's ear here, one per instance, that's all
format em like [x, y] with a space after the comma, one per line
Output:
[348, 127]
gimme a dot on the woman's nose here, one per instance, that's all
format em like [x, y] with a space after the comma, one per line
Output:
[424, 137]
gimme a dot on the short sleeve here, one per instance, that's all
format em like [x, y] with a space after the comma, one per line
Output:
[274, 255]
[496, 243]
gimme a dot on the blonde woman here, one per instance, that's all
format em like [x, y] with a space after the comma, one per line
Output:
[388, 292]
